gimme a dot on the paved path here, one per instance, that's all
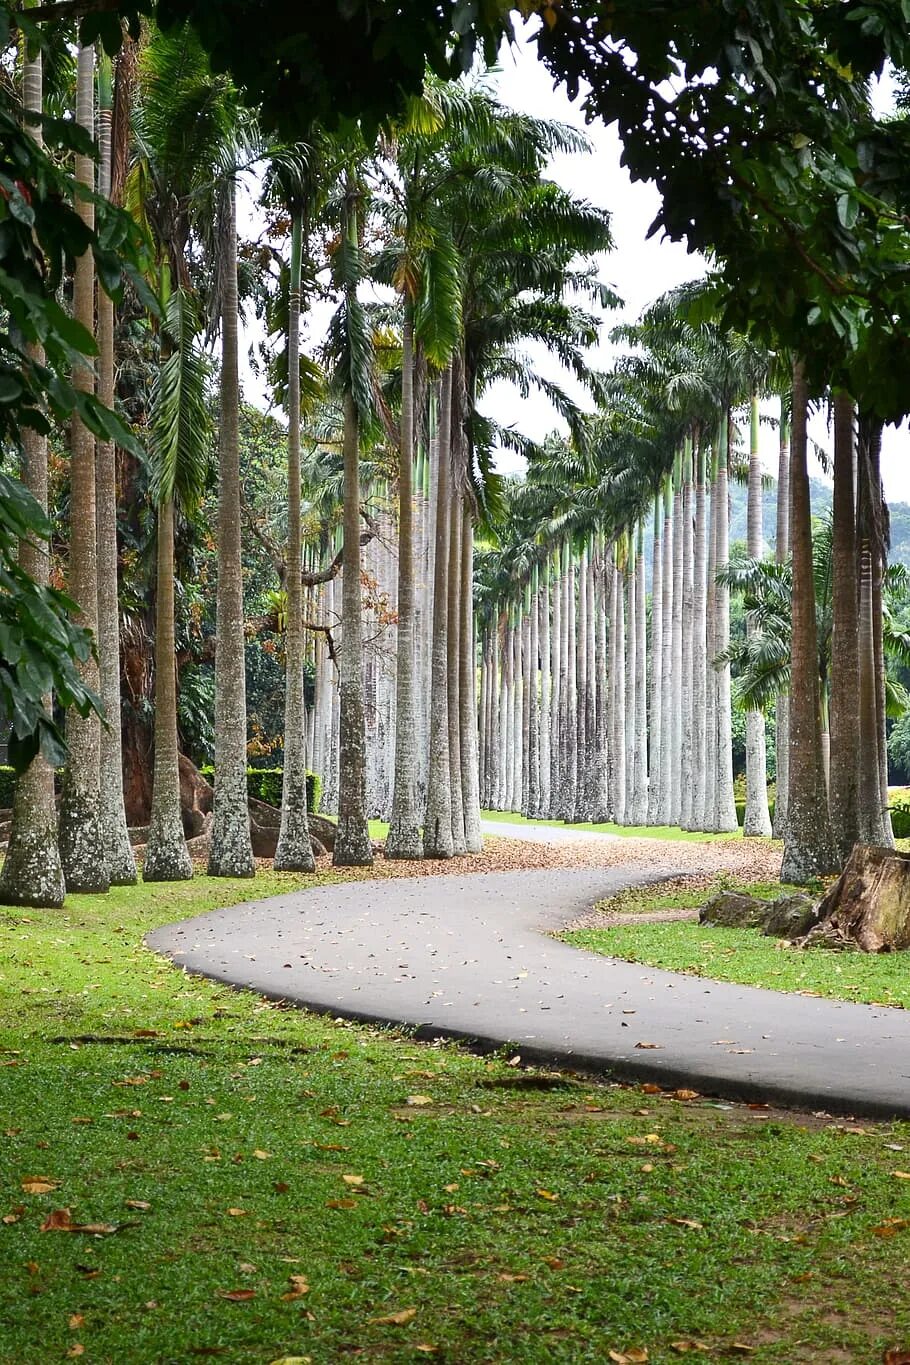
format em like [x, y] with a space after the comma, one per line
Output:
[546, 834]
[468, 957]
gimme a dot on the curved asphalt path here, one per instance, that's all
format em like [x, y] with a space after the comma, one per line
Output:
[467, 957]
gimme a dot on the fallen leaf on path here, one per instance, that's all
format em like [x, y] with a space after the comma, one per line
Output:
[404, 1315]
[686, 1095]
[649, 1046]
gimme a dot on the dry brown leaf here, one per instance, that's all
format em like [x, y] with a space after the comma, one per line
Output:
[292, 1360]
[237, 1295]
[891, 1227]
[508, 1278]
[901, 1175]
[681, 1347]
[341, 1203]
[649, 1046]
[76, 1322]
[260, 1155]
[554, 1262]
[140, 1204]
[404, 1315]
[299, 1286]
[353, 1179]
[9, 1218]
[418, 1101]
[743, 1348]
[635, 1355]
[897, 1356]
[236, 1213]
[77, 1349]
[686, 1222]
[686, 1094]
[649, 1088]
[58, 1220]
[425, 1348]
[39, 1184]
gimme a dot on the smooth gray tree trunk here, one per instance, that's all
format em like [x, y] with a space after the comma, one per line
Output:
[757, 819]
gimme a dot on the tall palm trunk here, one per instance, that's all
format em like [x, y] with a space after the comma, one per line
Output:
[231, 852]
[668, 700]
[808, 845]
[687, 775]
[571, 696]
[757, 820]
[711, 650]
[640, 794]
[600, 800]
[453, 665]
[167, 858]
[121, 862]
[532, 796]
[781, 555]
[581, 670]
[404, 839]
[557, 682]
[81, 833]
[618, 691]
[437, 826]
[32, 874]
[467, 686]
[699, 647]
[352, 842]
[875, 819]
[294, 852]
[543, 805]
[847, 745]
[592, 778]
[676, 656]
[631, 679]
[724, 801]
[654, 756]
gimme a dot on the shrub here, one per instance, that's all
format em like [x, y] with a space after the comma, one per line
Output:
[264, 784]
[7, 786]
[900, 819]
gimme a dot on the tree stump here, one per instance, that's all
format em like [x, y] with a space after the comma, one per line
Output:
[868, 907]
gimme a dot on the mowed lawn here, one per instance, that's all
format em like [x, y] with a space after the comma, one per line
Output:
[188, 1173]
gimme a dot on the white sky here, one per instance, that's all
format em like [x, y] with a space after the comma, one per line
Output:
[639, 269]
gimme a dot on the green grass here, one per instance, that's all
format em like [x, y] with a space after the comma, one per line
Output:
[522, 1223]
[509, 817]
[744, 955]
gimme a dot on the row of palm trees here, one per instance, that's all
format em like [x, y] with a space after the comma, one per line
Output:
[562, 699]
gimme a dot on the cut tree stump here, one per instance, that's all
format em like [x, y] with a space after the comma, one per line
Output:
[868, 907]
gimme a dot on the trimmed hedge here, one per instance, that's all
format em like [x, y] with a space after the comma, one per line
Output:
[264, 784]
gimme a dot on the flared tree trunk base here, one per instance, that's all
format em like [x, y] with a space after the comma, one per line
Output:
[868, 907]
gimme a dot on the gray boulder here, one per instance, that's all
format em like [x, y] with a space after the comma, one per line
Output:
[733, 910]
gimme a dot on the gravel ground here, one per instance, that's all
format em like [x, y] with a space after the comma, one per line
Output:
[745, 859]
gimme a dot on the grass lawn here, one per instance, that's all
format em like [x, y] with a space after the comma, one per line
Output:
[510, 817]
[744, 955]
[249, 1184]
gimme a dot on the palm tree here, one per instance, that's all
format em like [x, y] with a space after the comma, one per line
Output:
[32, 874]
[438, 841]
[781, 555]
[180, 431]
[845, 765]
[294, 851]
[81, 833]
[121, 863]
[757, 819]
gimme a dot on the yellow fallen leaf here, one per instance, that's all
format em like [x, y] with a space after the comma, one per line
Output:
[260, 1155]
[140, 1204]
[76, 1322]
[901, 1175]
[681, 1347]
[685, 1094]
[512, 1279]
[39, 1184]
[425, 1348]
[236, 1213]
[548, 1194]
[417, 1101]
[404, 1315]
[292, 1360]
[352, 1179]
[77, 1350]
[636, 1355]
[686, 1222]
